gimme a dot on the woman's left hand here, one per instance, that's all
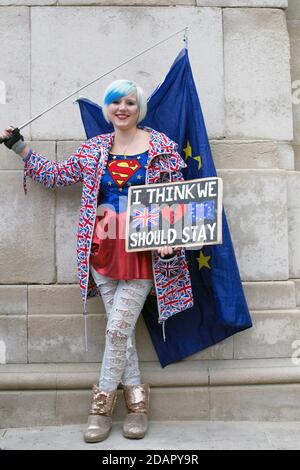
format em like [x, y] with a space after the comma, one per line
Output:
[166, 250]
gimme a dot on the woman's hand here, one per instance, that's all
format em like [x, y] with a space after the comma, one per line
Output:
[14, 141]
[7, 133]
[166, 250]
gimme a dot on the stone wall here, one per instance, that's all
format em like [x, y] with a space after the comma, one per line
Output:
[293, 21]
[240, 55]
[293, 17]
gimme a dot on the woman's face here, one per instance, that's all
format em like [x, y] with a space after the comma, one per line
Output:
[123, 113]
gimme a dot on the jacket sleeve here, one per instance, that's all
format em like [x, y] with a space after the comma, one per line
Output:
[52, 174]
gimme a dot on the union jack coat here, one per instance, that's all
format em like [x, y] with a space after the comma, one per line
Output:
[172, 282]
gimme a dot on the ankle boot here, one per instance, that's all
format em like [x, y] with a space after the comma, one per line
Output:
[137, 402]
[100, 420]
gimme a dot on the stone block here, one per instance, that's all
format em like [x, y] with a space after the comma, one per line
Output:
[293, 28]
[72, 406]
[286, 156]
[28, 2]
[236, 154]
[293, 209]
[179, 374]
[60, 338]
[13, 300]
[27, 380]
[67, 219]
[270, 295]
[13, 339]
[15, 67]
[255, 206]
[297, 157]
[283, 435]
[297, 287]
[27, 408]
[257, 74]
[272, 335]
[59, 300]
[10, 161]
[194, 403]
[243, 3]
[293, 11]
[296, 111]
[27, 231]
[294, 31]
[65, 148]
[253, 372]
[252, 403]
[128, 2]
[139, 27]
[81, 376]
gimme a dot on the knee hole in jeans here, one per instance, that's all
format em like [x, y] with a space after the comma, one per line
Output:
[120, 324]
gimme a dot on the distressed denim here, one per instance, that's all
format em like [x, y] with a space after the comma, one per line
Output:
[123, 301]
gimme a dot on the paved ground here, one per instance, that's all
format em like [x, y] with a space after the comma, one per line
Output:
[195, 435]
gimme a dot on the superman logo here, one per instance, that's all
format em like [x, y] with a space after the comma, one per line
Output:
[122, 170]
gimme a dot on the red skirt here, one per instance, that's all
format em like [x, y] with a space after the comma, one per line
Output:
[108, 256]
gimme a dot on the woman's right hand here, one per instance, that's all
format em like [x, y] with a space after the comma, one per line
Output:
[14, 141]
[6, 133]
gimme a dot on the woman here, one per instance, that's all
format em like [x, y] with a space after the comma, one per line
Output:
[107, 165]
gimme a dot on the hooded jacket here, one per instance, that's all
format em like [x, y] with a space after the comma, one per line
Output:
[172, 282]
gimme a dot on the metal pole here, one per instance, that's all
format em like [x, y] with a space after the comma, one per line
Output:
[98, 78]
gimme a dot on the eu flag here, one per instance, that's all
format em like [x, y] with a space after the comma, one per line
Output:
[220, 308]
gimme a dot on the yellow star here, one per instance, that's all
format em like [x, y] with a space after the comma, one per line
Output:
[110, 183]
[203, 261]
[199, 160]
[188, 151]
[120, 189]
[138, 177]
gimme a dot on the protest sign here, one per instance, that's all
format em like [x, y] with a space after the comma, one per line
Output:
[182, 213]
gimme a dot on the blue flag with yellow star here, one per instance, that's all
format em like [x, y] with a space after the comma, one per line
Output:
[220, 309]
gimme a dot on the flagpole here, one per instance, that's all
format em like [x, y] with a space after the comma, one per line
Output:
[96, 79]
[185, 38]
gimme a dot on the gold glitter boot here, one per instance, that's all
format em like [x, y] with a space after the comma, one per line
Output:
[137, 402]
[100, 420]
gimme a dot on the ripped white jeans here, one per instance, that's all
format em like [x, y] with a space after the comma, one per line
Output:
[123, 302]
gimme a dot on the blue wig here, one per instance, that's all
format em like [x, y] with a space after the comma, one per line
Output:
[120, 88]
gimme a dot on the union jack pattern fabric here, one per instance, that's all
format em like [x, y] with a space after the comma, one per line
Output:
[147, 217]
[172, 284]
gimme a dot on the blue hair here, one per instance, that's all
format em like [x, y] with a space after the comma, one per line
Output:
[120, 88]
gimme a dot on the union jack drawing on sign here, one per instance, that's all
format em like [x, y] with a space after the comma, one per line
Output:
[146, 217]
